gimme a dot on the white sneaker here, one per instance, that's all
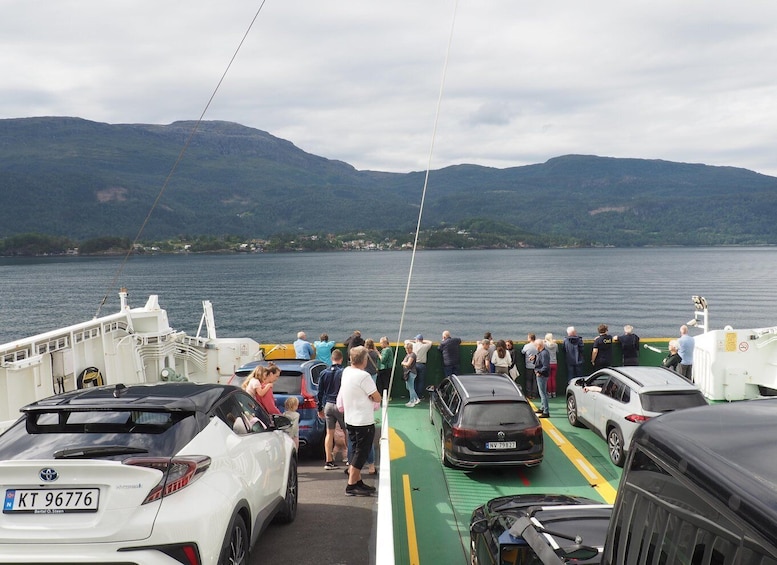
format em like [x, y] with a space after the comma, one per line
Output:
[410, 404]
[417, 401]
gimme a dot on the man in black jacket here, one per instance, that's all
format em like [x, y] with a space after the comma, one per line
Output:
[573, 352]
[449, 347]
[328, 387]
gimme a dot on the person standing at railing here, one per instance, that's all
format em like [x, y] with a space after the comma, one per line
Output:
[629, 346]
[672, 361]
[324, 347]
[573, 352]
[501, 358]
[542, 372]
[385, 365]
[409, 374]
[302, 348]
[480, 358]
[601, 355]
[552, 348]
[685, 346]
[353, 340]
[529, 351]
[449, 348]
[421, 347]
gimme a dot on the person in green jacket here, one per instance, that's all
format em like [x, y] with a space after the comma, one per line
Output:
[385, 365]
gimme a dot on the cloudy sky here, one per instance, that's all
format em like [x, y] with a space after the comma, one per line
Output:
[359, 81]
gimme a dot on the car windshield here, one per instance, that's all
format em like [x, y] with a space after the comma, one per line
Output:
[666, 401]
[484, 415]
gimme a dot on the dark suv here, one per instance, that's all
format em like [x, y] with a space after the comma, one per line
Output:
[699, 487]
[484, 420]
[533, 529]
[299, 378]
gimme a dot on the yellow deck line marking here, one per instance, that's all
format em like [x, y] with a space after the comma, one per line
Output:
[396, 445]
[412, 544]
[594, 478]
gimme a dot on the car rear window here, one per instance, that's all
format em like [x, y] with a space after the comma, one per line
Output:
[671, 400]
[114, 421]
[290, 382]
[42, 435]
[480, 415]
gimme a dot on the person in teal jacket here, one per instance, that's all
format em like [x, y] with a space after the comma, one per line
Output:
[324, 349]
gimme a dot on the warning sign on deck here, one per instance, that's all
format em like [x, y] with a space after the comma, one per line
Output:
[731, 341]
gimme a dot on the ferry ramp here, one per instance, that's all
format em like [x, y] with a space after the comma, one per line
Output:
[432, 504]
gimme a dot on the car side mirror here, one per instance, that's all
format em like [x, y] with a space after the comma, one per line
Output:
[479, 526]
[281, 422]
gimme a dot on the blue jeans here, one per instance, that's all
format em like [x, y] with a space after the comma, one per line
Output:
[420, 379]
[410, 384]
[450, 370]
[542, 386]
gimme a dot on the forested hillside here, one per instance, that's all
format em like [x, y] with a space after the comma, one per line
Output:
[79, 179]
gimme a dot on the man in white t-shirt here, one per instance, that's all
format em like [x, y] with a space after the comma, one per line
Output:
[358, 394]
[421, 347]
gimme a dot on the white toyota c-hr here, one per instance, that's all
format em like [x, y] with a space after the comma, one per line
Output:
[148, 474]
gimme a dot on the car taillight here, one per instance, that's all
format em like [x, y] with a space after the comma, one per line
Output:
[534, 431]
[308, 400]
[463, 433]
[637, 418]
[177, 473]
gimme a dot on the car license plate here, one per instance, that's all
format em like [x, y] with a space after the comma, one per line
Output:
[500, 445]
[51, 501]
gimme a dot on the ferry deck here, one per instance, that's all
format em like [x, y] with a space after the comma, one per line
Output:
[431, 504]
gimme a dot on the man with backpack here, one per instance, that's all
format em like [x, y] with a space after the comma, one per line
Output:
[328, 388]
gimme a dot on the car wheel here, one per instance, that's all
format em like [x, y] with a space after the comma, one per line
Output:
[615, 446]
[443, 459]
[289, 507]
[236, 552]
[572, 411]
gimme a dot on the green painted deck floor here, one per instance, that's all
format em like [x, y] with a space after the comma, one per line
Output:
[432, 504]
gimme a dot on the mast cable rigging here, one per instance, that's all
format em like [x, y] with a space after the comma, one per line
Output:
[178, 160]
[423, 192]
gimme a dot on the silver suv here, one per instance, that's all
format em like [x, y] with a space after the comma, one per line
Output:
[613, 402]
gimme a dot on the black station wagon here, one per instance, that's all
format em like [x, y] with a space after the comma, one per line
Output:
[484, 420]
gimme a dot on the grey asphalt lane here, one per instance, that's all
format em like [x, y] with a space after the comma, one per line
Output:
[330, 527]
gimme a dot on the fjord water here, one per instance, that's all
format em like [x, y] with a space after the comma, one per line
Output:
[509, 292]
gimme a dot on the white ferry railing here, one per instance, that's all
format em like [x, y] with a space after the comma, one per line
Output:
[384, 537]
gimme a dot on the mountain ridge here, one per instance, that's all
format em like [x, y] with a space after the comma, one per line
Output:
[72, 177]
